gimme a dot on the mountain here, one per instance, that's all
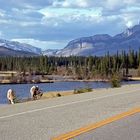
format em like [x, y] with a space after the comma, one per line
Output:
[99, 45]
[19, 48]
[50, 52]
[9, 52]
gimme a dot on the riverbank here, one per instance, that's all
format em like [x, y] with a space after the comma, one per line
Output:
[52, 94]
[52, 81]
[133, 78]
[23, 90]
[13, 77]
[49, 95]
[26, 82]
[66, 80]
[57, 94]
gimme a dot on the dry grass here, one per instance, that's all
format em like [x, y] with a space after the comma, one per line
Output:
[57, 94]
[134, 78]
[5, 81]
[7, 73]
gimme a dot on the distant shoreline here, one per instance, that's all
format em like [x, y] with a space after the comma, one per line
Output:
[66, 80]
[52, 81]
[9, 82]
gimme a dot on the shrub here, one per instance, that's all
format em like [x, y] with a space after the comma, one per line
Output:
[58, 95]
[82, 90]
[115, 80]
[17, 99]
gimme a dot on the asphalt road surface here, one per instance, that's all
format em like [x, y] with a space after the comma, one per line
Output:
[44, 119]
[125, 129]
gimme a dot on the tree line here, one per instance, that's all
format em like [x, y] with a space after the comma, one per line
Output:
[78, 66]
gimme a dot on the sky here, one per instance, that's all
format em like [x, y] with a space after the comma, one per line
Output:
[51, 24]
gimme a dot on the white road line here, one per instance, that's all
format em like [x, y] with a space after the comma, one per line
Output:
[61, 105]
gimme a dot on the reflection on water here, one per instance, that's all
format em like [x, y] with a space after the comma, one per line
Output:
[23, 90]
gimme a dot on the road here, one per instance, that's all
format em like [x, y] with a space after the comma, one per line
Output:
[124, 129]
[44, 119]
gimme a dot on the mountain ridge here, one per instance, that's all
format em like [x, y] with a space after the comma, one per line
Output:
[9, 52]
[100, 44]
[19, 47]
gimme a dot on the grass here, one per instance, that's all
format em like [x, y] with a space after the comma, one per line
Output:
[53, 94]
[82, 90]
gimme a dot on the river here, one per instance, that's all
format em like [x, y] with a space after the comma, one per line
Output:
[23, 90]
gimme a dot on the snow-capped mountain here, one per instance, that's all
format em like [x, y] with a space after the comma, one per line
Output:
[99, 45]
[9, 52]
[14, 45]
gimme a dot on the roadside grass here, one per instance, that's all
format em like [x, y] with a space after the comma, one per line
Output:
[82, 90]
[53, 94]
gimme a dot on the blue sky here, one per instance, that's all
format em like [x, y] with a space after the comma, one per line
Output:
[51, 24]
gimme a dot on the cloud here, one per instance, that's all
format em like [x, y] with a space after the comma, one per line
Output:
[62, 16]
[29, 4]
[55, 22]
[72, 3]
[65, 11]
[1, 34]
[2, 13]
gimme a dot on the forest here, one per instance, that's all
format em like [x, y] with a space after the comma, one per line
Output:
[91, 67]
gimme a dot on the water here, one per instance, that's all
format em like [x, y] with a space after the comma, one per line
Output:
[23, 90]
